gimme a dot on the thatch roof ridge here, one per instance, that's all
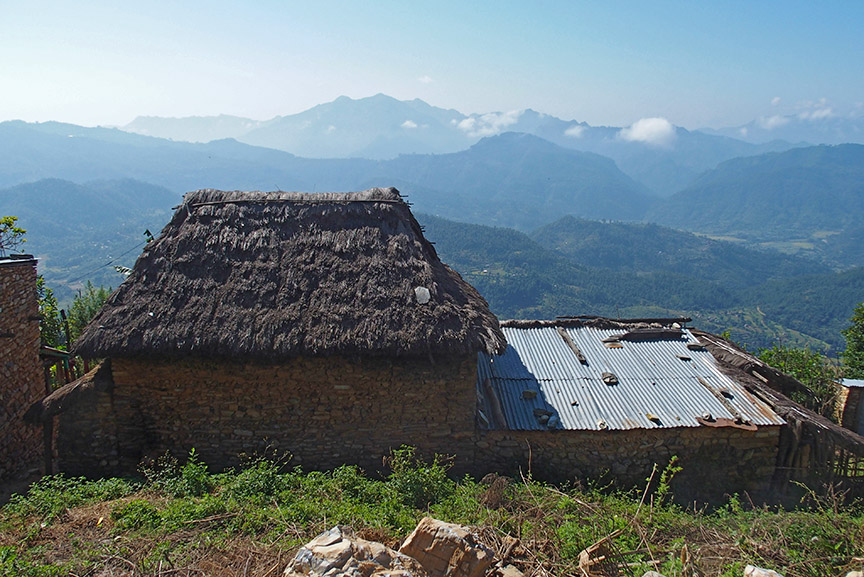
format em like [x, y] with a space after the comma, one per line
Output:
[284, 274]
[212, 196]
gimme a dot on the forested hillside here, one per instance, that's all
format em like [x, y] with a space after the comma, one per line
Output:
[806, 200]
[89, 211]
[642, 248]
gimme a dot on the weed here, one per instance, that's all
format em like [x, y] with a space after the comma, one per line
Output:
[136, 514]
[54, 494]
[419, 484]
[165, 474]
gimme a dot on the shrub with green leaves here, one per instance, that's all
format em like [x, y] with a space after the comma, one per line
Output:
[189, 480]
[136, 514]
[418, 483]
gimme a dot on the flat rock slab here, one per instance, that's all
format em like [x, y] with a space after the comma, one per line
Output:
[447, 550]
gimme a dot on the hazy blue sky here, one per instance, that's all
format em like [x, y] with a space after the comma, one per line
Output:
[694, 63]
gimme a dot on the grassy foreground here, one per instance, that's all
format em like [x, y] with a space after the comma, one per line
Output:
[183, 520]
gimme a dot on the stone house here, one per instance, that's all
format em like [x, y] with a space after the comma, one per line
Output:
[323, 325]
[593, 396]
[326, 327]
[590, 397]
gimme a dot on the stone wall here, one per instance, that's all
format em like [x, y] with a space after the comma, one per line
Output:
[21, 379]
[323, 411]
[848, 403]
[330, 411]
[714, 461]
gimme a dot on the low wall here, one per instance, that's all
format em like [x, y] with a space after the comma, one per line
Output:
[21, 380]
[714, 461]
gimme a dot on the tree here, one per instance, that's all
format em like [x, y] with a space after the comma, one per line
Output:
[11, 236]
[853, 356]
[85, 306]
[50, 324]
[814, 370]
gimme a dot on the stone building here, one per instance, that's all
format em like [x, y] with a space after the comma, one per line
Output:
[593, 396]
[21, 380]
[323, 325]
[326, 327]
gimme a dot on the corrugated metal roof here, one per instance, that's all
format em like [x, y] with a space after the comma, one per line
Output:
[661, 383]
[852, 383]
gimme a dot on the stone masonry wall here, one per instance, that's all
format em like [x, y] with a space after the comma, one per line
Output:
[332, 411]
[848, 403]
[323, 411]
[21, 379]
[715, 461]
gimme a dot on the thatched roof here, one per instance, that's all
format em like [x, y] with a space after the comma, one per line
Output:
[82, 390]
[284, 274]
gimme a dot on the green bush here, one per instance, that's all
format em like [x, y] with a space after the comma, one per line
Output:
[12, 566]
[417, 483]
[190, 480]
[258, 481]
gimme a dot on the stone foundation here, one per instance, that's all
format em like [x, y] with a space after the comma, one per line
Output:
[21, 379]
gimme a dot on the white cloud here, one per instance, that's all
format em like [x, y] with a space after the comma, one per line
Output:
[817, 114]
[742, 131]
[771, 122]
[409, 124]
[653, 131]
[775, 101]
[425, 79]
[489, 124]
[330, 129]
[574, 131]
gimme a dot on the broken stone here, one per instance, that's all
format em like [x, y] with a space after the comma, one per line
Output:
[447, 550]
[510, 571]
[337, 553]
[753, 571]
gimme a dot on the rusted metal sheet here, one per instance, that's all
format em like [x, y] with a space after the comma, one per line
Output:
[663, 382]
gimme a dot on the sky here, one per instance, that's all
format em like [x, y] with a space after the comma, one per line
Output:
[697, 64]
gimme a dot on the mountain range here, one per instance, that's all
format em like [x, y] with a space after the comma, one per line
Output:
[541, 228]
[660, 156]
